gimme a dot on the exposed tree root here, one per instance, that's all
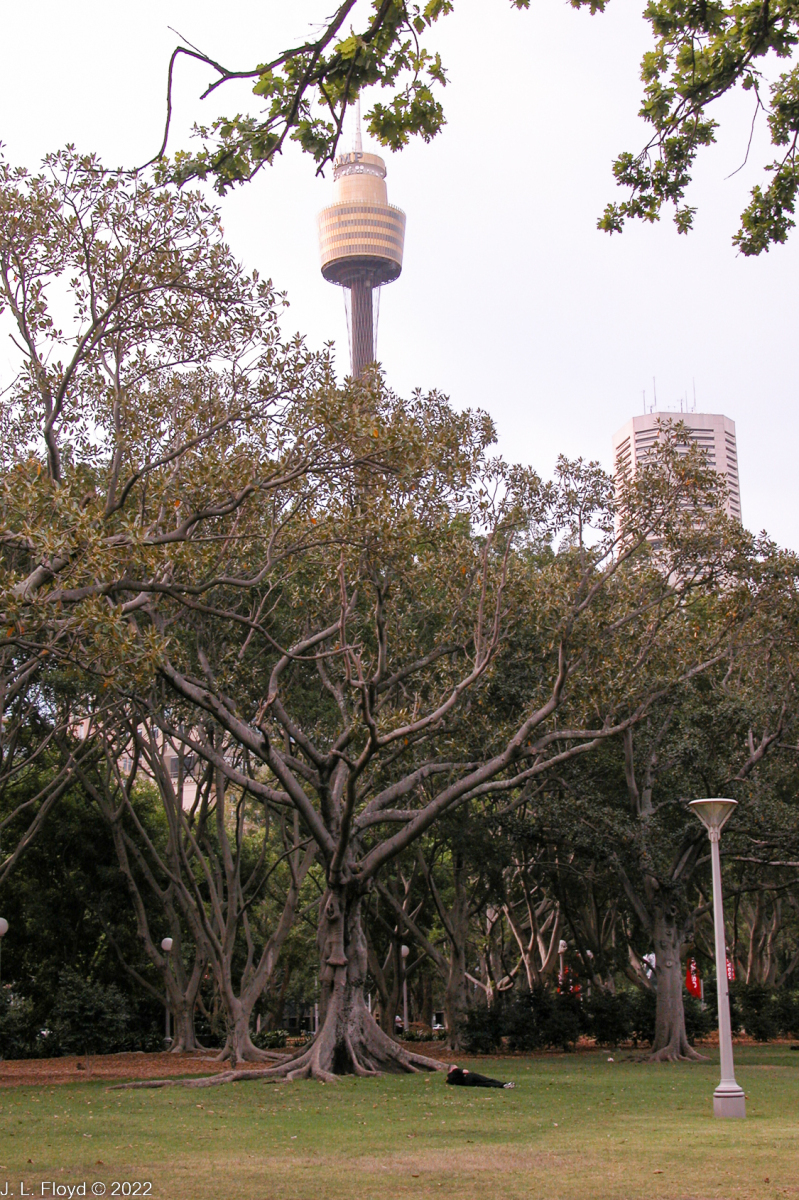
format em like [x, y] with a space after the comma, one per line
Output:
[673, 1045]
[236, 1053]
[351, 1042]
[677, 1051]
[185, 1048]
[204, 1082]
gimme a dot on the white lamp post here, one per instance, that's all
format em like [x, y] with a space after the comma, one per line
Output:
[728, 1098]
[3, 932]
[404, 951]
[166, 946]
[562, 948]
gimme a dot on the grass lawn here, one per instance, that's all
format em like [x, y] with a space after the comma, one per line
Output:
[575, 1127]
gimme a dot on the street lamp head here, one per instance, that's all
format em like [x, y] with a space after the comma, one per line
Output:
[404, 951]
[166, 945]
[3, 927]
[562, 947]
[714, 814]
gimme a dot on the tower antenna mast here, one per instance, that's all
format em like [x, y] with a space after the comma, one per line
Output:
[357, 141]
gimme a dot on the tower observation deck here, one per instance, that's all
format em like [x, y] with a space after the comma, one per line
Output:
[361, 240]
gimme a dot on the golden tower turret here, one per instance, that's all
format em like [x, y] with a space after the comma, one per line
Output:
[361, 239]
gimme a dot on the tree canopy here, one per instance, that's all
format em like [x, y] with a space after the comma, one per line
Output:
[700, 53]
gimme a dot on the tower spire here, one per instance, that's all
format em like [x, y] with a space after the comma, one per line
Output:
[357, 142]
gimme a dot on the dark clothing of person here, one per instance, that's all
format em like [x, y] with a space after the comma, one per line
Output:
[472, 1079]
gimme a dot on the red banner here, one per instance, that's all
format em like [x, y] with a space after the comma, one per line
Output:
[692, 981]
[730, 970]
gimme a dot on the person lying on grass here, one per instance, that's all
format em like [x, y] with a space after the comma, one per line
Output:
[465, 1078]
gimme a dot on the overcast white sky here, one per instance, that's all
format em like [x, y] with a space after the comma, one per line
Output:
[510, 298]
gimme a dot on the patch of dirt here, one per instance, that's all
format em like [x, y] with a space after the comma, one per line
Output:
[37, 1072]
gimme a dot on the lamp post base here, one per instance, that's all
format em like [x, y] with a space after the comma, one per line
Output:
[729, 1101]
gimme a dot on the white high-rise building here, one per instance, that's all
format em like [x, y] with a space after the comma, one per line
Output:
[712, 431]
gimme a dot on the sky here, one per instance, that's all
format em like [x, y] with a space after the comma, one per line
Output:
[510, 298]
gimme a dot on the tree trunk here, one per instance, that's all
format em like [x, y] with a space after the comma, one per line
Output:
[455, 920]
[281, 999]
[455, 996]
[671, 1041]
[239, 1047]
[382, 1008]
[349, 1041]
[184, 1038]
[182, 995]
[763, 928]
[425, 1001]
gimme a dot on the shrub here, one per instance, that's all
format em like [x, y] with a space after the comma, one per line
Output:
[482, 1029]
[763, 1012]
[17, 1029]
[643, 1016]
[87, 1018]
[210, 1027]
[417, 1035]
[301, 1039]
[565, 1022]
[787, 1011]
[758, 1008]
[543, 1017]
[698, 1018]
[521, 1025]
[270, 1039]
[711, 1000]
[608, 1017]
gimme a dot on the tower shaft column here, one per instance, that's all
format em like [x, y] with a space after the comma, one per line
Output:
[363, 350]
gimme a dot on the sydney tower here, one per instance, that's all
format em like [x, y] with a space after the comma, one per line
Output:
[361, 238]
